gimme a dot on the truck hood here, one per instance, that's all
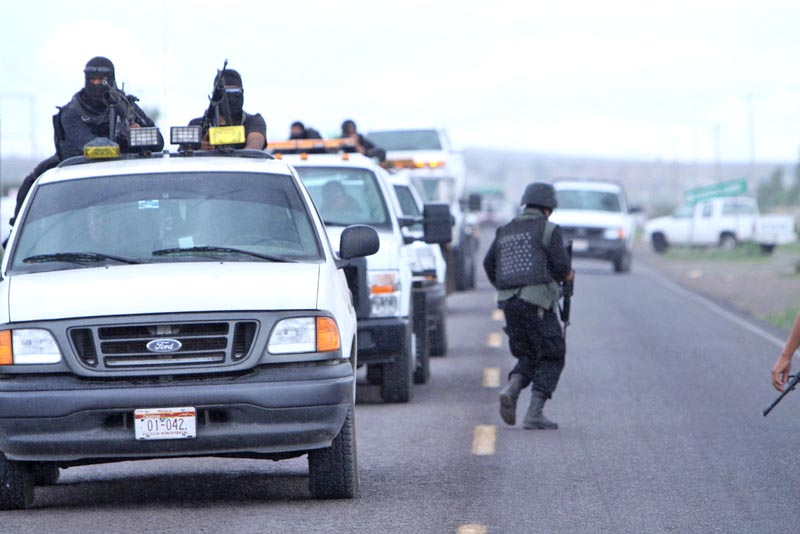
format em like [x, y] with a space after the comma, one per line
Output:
[589, 219]
[162, 288]
[387, 257]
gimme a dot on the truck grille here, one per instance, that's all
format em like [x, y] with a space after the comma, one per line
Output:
[582, 232]
[163, 344]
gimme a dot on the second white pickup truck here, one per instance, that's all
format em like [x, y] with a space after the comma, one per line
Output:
[723, 222]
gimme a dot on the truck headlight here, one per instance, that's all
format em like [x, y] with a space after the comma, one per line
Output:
[384, 293]
[614, 233]
[28, 346]
[422, 260]
[304, 334]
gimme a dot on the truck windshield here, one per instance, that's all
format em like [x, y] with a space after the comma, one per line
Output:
[439, 189]
[260, 216]
[345, 195]
[569, 199]
[406, 139]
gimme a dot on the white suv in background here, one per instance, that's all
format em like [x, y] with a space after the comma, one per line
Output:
[595, 216]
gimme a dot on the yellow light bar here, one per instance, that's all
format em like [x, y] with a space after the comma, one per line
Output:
[101, 148]
[6, 354]
[311, 144]
[226, 135]
[398, 164]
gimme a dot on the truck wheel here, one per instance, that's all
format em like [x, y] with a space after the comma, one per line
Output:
[16, 484]
[398, 376]
[45, 474]
[622, 263]
[462, 268]
[727, 241]
[422, 373]
[439, 335]
[374, 374]
[659, 242]
[333, 471]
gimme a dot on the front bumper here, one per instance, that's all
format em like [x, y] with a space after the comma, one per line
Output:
[601, 249]
[270, 410]
[381, 340]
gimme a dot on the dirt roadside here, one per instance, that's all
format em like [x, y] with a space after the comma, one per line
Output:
[759, 287]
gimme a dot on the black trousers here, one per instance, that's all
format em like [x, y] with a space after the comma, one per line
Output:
[536, 339]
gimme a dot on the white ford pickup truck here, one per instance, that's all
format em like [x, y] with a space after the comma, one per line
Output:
[723, 222]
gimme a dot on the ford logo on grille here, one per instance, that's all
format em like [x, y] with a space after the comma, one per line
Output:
[164, 345]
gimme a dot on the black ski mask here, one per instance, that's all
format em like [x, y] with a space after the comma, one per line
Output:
[98, 67]
[235, 94]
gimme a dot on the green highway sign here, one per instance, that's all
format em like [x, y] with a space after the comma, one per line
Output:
[722, 189]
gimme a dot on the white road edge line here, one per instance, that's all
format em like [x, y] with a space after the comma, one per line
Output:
[715, 308]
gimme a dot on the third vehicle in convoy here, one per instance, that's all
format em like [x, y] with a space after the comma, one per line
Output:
[439, 172]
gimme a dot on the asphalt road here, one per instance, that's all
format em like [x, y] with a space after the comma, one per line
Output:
[661, 431]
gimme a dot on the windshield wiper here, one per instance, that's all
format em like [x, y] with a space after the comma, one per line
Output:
[226, 250]
[78, 257]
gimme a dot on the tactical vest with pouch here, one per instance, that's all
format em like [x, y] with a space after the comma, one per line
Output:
[522, 253]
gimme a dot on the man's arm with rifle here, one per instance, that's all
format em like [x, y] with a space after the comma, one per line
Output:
[567, 288]
[219, 110]
[125, 114]
[783, 365]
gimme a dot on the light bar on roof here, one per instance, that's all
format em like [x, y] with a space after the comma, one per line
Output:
[185, 135]
[143, 137]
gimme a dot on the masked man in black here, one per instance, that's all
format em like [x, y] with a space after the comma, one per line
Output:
[255, 127]
[86, 117]
[526, 263]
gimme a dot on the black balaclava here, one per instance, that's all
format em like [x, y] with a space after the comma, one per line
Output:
[98, 66]
[235, 98]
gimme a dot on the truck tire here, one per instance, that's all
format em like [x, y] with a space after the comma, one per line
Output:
[727, 241]
[374, 374]
[422, 373]
[45, 474]
[622, 263]
[397, 384]
[438, 337]
[659, 242]
[333, 471]
[16, 484]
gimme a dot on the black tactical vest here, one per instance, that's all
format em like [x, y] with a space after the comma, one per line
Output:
[522, 254]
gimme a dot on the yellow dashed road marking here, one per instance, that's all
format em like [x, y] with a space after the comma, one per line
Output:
[472, 529]
[491, 377]
[483, 440]
[494, 340]
[498, 315]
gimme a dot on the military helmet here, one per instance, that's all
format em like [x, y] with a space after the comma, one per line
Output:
[540, 194]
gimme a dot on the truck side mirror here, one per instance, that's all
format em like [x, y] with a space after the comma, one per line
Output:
[437, 223]
[357, 241]
[475, 202]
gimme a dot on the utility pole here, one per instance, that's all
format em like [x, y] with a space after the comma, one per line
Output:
[752, 136]
[717, 127]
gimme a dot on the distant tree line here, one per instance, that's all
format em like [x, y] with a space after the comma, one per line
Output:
[774, 194]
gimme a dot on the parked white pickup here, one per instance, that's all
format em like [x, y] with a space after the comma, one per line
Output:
[722, 222]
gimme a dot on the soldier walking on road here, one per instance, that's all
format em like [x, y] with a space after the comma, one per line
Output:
[526, 263]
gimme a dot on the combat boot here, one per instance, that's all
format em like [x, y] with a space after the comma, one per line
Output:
[535, 419]
[509, 396]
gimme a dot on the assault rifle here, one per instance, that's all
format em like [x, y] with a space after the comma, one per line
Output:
[218, 103]
[789, 387]
[567, 288]
[124, 107]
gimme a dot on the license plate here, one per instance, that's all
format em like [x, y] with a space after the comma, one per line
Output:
[580, 245]
[165, 423]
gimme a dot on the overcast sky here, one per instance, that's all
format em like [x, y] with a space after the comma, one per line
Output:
[687, 80]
